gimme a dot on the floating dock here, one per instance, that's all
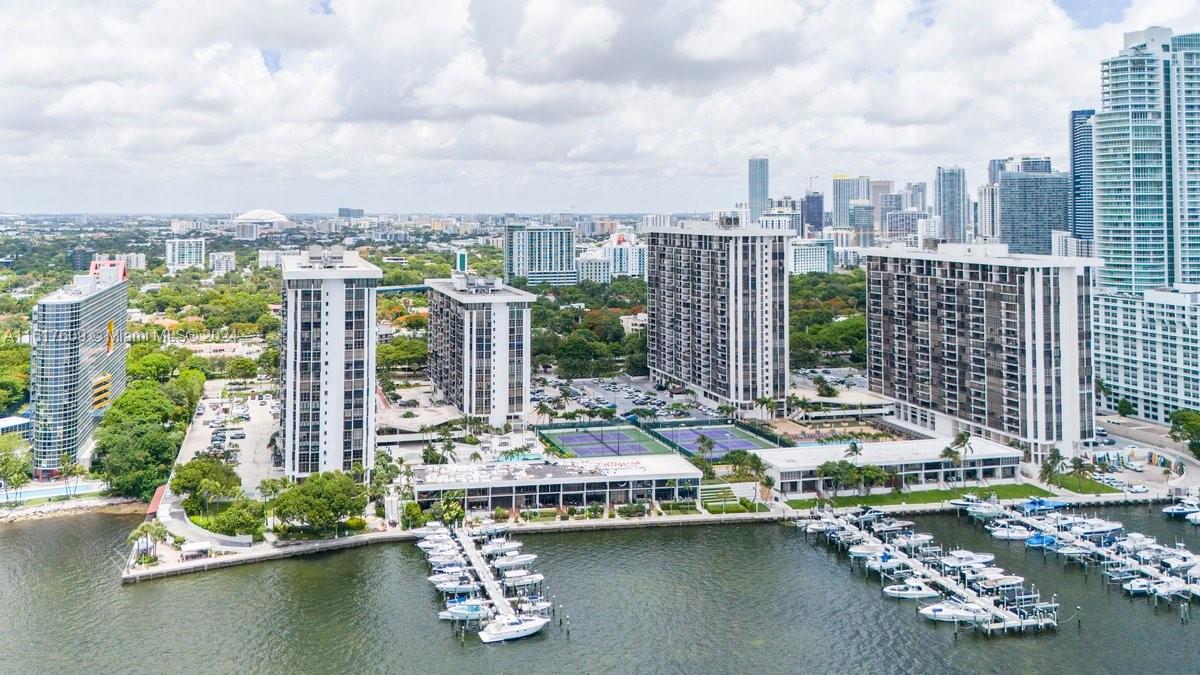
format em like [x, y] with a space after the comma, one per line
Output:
[483, 572]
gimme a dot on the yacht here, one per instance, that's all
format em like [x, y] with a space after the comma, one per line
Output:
[511, 628]
[1136, 541]
[1182, 508]
[823, 525]
[1040, 505]
[1167, 587]
[524, 580]
[912, 541]
[965, 501]
[1000, 583]
[955, 610]
[448, 559]
[513, 560]
[534, 604]
[468, 610]
[910, 590]
[443, 577]
[432, 544]
[963, 558]
[1180, 560]
[891, 526]
[866, 516]
[985, 511]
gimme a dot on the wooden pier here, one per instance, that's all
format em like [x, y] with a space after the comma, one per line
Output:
[483, 571]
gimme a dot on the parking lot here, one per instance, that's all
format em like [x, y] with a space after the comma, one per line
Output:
[235, 423]
[842, 378]
[624, 393]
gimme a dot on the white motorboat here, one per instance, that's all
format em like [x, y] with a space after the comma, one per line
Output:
[1096, 527]
[1182, 508]
[963, 558]
[1152, 553]
[956, 611]
[513, 560]
[1193, 518]
[910, 590]
[429, 530]
[985, 510]
[443, 577]
[443, 560]
[1167, 587]
[468, 610]
[1072, 551]
[912, 541]
[884, 562]
[999, 583]
[976, 573]
[817, 526]
[1179, 561]
[866, 550]
[437, 536]
[432, 544]
[489, 530]
[534, 604]
[1011, 532]
[891, 525]
[511, 628]
[1138, 586]
[460, 586]
[500, 547]
[523, 580]
[1136, 541]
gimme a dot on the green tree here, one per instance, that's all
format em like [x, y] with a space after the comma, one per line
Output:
[152, 533]
[1051, 468]
[1185, 428]
[201, 480]
[1125, 408]
[321, 501]
[241, 368]
[853, 451]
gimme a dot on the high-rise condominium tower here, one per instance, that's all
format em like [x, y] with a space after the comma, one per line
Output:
[1081, 173]
[77, 363]
[479, 347]
[718, 311]
[1146, 196]
[540, 254]
[972, 338]
[845, 190]
[759, 189]
[327, 361]
[950, 201]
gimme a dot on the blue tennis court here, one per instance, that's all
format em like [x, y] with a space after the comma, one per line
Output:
[725, 439]
[604, 441]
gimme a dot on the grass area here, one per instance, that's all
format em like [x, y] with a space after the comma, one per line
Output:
[680, 512]
[1084, 485]
[1016, 491]
[742, 505]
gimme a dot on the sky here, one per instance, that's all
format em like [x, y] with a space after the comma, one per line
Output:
[460, 106]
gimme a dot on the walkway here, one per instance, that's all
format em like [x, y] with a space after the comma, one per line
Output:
[484, 572]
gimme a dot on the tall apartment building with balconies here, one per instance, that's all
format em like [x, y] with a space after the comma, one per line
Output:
[77, 364]
[718, 310]
[479, 347]
[327, 358]
[973, 338]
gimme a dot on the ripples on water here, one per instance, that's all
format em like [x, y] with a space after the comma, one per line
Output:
[702, 599]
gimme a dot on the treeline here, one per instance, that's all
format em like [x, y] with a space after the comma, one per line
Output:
[827, 324]
[140, 435]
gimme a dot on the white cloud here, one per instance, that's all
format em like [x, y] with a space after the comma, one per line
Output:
[541, 105]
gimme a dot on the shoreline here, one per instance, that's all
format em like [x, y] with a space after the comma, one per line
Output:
[264, 553]
[73, 507]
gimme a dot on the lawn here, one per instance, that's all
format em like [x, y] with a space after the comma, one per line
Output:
[1084, 485]
[1016, 491]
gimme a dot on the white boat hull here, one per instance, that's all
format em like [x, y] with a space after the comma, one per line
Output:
[499, 632]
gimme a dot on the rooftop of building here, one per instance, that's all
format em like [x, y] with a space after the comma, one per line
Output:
[991, 254]
[261, 216]
[85, 285]
[329, 263]
[461, 475]
[472, 288]
[719, 228]
[881, 454]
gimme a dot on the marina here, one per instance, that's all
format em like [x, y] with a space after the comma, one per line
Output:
[971, 591]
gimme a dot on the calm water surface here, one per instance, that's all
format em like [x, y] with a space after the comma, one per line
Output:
[705, 599]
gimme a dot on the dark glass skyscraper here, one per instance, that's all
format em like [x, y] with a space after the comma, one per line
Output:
[813, 212]
[1081, 174]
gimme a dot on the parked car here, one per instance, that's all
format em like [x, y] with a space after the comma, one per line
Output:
[1137, 489]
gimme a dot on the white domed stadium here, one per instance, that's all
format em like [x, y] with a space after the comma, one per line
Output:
[261, 216]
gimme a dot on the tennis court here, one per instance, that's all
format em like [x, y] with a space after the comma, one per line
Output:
[604, 441]
[724, 438]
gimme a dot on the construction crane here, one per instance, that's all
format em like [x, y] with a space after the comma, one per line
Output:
[810, 182]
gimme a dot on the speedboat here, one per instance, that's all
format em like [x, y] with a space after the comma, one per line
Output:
[884, 562]
[866, 550]
[1040, 505]
[513, 560]
[1180, 559]
[443, 560]
[459, 586]
[437, 536]
[522, 580]
[511, 628]
[1193, 518]
[489, 530]
[1096, 527]
[500, 547]
[891, 525]
[866, 516]
[1041, 540]
[534, 604]
[1010, 532]
[1138, 586]
[468, 610]
[431, 544]
[1182, 508]
[443, 577]
[985, 511]
[1134, 542]
[823, 525]
[1167, 587]
[1000, 583]
[963, 558]
[955, 610]
[910, 590]
[1072, 550]
[981, 572]
[911, 541]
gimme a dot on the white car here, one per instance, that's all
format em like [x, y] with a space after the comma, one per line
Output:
[1131, 447]
[1137, 489]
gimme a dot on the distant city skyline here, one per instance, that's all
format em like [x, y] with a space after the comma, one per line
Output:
[467, 107]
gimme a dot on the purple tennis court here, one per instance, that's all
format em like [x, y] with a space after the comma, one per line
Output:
[725, 439]
[604, 441]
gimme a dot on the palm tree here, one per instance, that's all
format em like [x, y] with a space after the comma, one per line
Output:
[853, 452]
[153, 532]
[544, 409]
[1051, 468]
[728, 410]
[705, 445]
[476, 457]
[69, 469]
[793, 401]
[951, 455]
[1080, 469]
[763, 402]
[17, 481]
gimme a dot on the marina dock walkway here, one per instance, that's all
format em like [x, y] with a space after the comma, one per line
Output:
[483, 571]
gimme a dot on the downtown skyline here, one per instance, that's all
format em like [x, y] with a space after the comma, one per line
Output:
[472, 108]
